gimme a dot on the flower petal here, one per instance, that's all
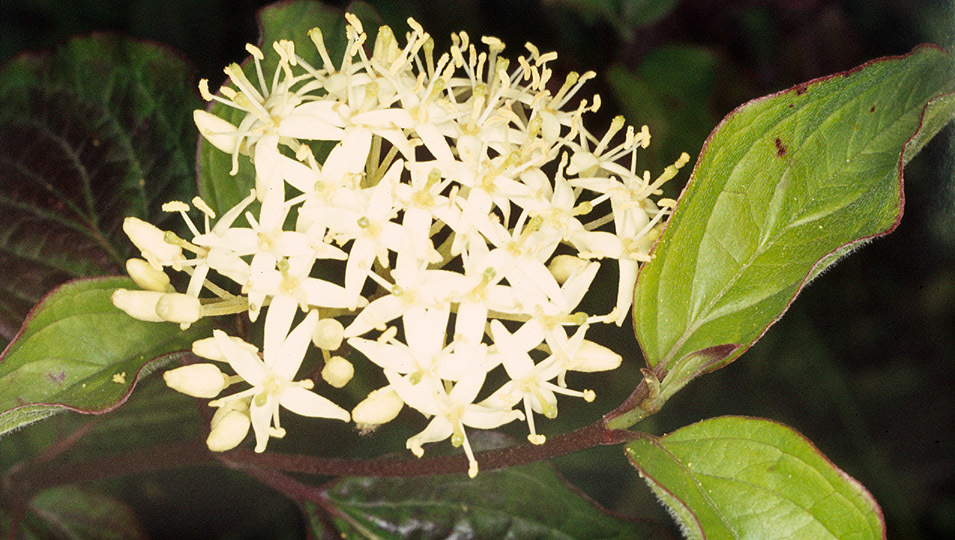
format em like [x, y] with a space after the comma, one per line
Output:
[301, 401]
[245, 363]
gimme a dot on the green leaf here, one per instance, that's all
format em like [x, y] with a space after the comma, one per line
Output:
[784, 186]
[280, 21]
[735, 477]
[97, 130]
[72, 512]
[76, 351]
[520, 502]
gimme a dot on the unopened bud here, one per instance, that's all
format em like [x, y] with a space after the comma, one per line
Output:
[338, 371]
[151, 241]
[381, 406]
[139, 305]
[208, 348]
[562, 267]
[147, 276]
[197, 380]
[230, 425]
[593, 357]
[178, 307]
[328, 334]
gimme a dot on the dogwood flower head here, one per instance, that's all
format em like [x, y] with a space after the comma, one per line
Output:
[456, 223]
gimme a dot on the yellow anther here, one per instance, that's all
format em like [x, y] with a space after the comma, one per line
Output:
[204, 89]
[175, 206]
[254, 51]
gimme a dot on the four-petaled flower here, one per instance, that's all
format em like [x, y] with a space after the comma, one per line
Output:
[272, 376]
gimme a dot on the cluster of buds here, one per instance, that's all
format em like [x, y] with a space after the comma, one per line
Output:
[453, 229]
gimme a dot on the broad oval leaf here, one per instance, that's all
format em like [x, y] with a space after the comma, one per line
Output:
[77, 351]
[90, 133]
[736, 477]
[784, 186]
[520, 502]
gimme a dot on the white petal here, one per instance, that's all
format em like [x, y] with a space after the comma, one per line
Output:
[425, 329]
[435, 142]
[278, 322]
[437, 430]
[301, 401]
[292, 353]
[422, 397]
[376, 314]
[628, 282]
[222, 134]
[348, 156]
[314, 120]
[322, 293]
[385, 355]
[488, 418]
[245, 363]
[261, 417]
[267, 171]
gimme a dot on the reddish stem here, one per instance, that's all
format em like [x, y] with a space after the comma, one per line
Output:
[585, 437]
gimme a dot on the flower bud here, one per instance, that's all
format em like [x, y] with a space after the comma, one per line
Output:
[208, 348]
[338, 371]
[562, 267]
[147, 276]
[178, 307]
[230, 425]
[151, 241]
[138, 304]
[592, 357]
[328, 334]
[197, 380]
[381, 406]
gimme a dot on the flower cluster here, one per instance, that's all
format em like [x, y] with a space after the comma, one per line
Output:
[451, 231]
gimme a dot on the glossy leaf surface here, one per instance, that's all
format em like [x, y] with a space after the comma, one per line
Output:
[76, 351]
[736, 477]
[784, 186]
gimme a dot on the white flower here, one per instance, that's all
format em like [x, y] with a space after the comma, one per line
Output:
[458, 198]
[529, 382]
[423, 356]
[450, 411]
[272, 377]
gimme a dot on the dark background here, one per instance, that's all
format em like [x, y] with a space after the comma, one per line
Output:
[862, 362]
